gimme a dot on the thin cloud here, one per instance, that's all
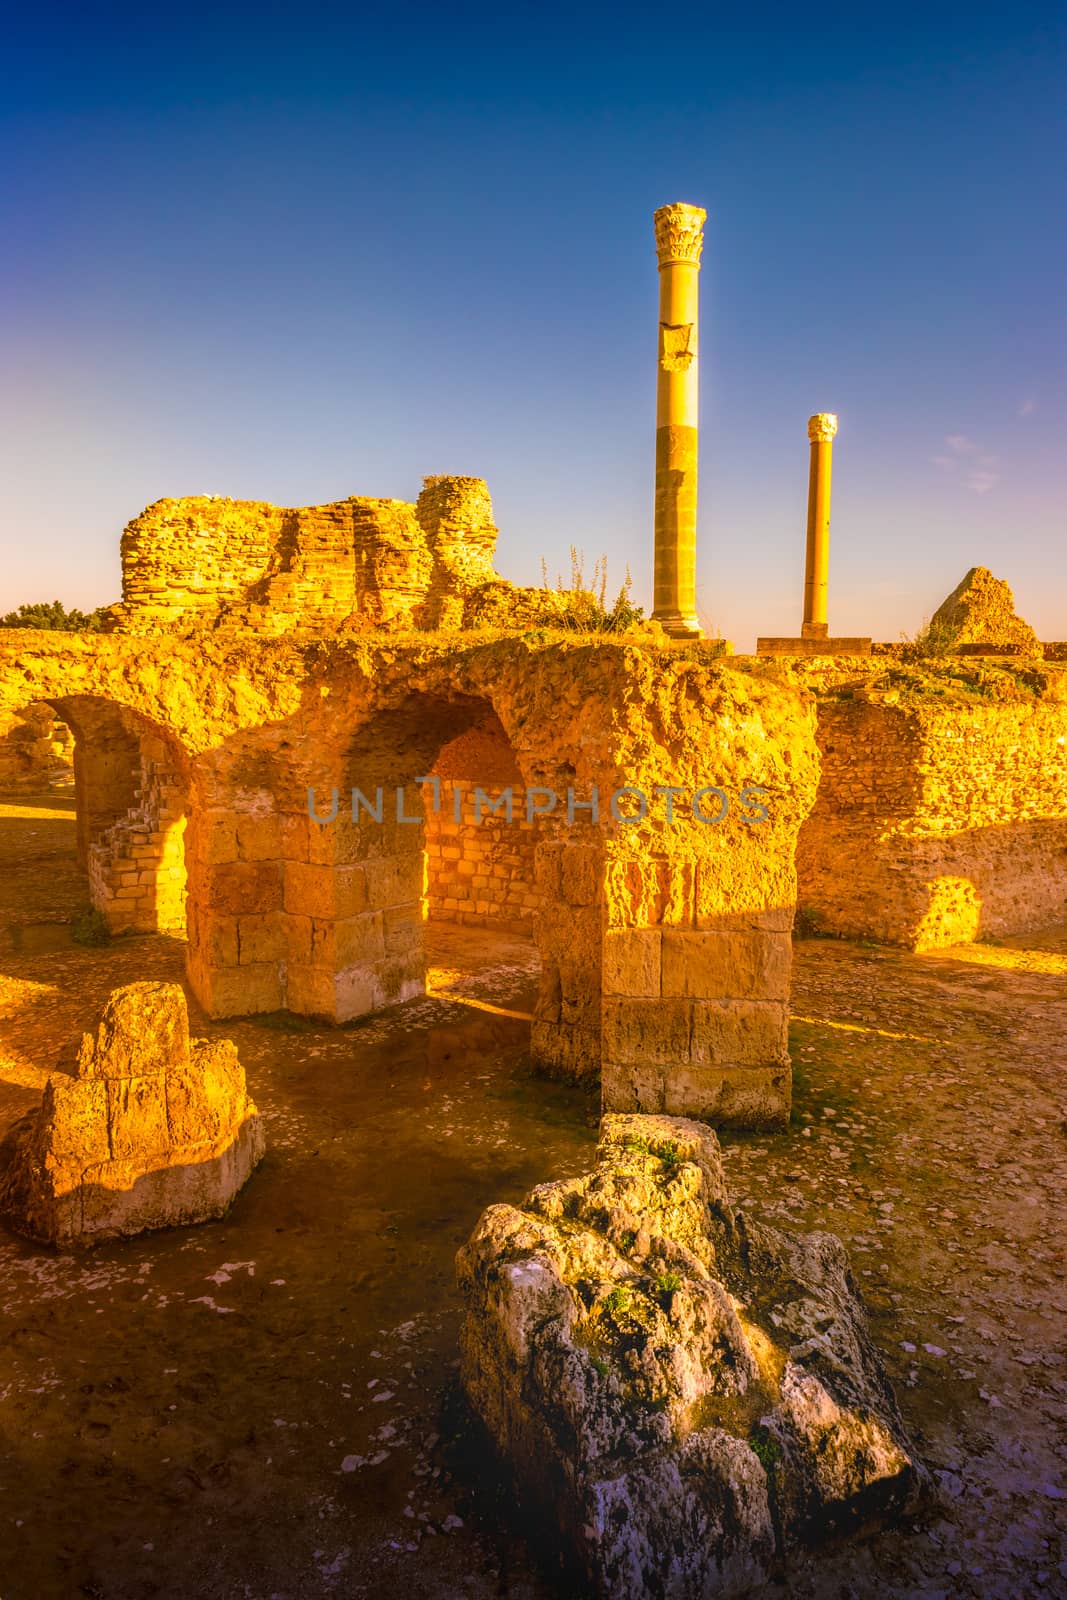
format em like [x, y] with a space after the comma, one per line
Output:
[982, 482]
[1028, 408]
[980, 473]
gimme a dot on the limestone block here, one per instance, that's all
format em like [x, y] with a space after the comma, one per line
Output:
[348, 941]
[565, 1050]
[727, 1097]
[310, 890]
[154, 1132]
[350, 890]
[242, 887]
[653, 1031]
[726, 965]
[215, 937]
[310, 991]
[137, 1115]
[395, 880]
[75, 1115]
[690, 1396]
[259, 838]
[262, 938]
[739, 1033]
[144, 1029]
[242, 991]
[402, 926]
[632, 962]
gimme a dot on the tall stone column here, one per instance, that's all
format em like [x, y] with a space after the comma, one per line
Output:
[679, 240]
[821, 430]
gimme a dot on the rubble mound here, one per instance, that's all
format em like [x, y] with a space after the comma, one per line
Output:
[152, 1130]
[980, 612]
[690, 1394]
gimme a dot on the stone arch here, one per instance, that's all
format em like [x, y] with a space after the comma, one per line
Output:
[360, 907]
[132, 803]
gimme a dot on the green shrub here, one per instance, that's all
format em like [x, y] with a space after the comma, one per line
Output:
[53, 617]
[587, 609]
[90, 928]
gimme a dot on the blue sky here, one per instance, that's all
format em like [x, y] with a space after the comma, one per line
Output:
[296, 255]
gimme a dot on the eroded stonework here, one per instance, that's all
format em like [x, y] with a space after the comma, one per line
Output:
[941, 815]
[980, 613]
[665, 945]
[358, 564]
[688, 1395]
[152, 1130]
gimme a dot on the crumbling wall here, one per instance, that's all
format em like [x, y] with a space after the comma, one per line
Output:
[936, 823]
[664, 942]
[131, 801]
[35, 748]
[456, 515]
[357, 563]
[979, 615]
[207, 559]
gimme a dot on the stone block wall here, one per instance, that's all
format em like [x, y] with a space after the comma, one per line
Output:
[935, 824]
[663, 962]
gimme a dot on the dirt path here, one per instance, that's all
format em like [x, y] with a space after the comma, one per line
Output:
[265, 1408]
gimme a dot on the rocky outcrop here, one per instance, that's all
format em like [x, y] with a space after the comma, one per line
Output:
[980, 614]
[691, 1393]
[152, 1130]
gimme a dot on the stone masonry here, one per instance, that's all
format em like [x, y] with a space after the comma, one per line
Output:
[664, 945]
[361, 563]
[151, 1130]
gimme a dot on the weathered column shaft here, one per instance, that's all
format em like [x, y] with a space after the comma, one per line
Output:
[679, 240]
[821, 430]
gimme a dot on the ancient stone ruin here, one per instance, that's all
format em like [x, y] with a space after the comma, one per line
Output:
[688, 1395]
[978, 617]
[151, 1130]
[359, 564]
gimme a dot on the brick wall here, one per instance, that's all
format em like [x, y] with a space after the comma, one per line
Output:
[935, 824]
[481, 873]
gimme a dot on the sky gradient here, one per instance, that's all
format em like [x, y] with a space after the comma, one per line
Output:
[293, 256]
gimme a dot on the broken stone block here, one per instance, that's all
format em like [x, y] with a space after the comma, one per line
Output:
[980, 614]
[154, 1131]
[688, 1394]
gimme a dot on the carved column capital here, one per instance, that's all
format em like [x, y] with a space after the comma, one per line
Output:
[822, 427]
[679, 233]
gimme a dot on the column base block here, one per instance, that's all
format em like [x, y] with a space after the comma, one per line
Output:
[813, 647]
[678, 627]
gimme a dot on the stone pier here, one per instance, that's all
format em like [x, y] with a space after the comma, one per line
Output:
[679, 241]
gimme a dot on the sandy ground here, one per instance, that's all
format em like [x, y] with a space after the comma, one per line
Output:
[266, 1408]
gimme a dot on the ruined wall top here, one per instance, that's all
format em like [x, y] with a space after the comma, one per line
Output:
[360, 563]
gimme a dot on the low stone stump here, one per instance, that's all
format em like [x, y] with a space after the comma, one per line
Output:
[154, 1130]
[689, 1394]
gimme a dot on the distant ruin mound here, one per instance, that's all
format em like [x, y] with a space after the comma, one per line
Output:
[980, 614]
